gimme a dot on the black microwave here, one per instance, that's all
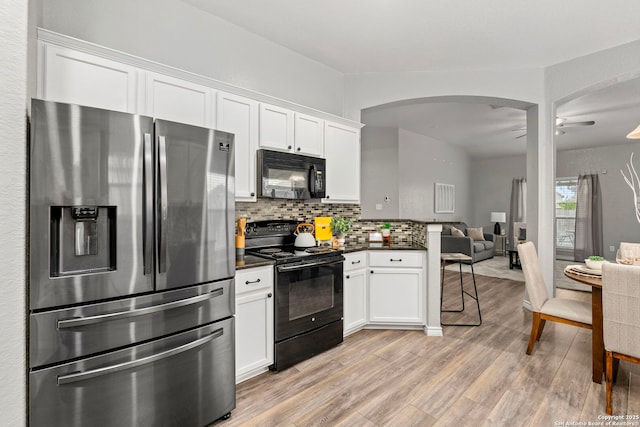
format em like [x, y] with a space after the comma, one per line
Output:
[290, 176]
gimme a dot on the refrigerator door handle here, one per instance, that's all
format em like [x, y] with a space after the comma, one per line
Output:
[162, 204]
[90, 320]
[147, 259]
[81, 376]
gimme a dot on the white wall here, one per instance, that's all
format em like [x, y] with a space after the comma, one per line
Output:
[404, 166]
[379, 173]
[13, 75]
[423, 162]
[491, 186]
[178, 34]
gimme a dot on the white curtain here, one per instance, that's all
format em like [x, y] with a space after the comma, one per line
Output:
[588, 236]
[518, 205]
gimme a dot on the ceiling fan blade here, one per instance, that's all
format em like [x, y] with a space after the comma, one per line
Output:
[570, 124]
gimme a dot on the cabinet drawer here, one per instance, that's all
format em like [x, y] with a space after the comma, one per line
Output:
[253, 279]
[395, 259]
[355, 260]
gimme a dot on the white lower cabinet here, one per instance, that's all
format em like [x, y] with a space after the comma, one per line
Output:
[254, 321]
[397, 291]
[355, 292]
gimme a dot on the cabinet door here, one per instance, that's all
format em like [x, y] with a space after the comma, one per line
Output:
[254, 333]
[342, 151]
[355, 300]
[396, 295]
[276, 128]
[239, 116]
[66, 75]
[309, 135]
[179, 100]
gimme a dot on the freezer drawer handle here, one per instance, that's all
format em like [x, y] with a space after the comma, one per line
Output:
[81, 376]
[90, 320]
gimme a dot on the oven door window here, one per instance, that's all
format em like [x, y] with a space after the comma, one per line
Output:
[310, 295]
[308, 298]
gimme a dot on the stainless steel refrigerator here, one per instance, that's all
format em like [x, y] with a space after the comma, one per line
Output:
[131, 284]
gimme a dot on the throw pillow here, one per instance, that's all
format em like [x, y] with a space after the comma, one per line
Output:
[456, 232]
[475, 233]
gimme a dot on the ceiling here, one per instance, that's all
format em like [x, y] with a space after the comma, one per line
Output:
[364, 36]
[485, 130]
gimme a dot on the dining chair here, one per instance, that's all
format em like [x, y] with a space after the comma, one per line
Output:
[561, 310]
[621, 319]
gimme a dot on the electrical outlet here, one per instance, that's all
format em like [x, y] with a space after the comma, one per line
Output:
[378, 206]
[612, 248]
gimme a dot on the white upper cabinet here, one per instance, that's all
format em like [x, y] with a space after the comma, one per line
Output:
[178, 100]
[342, 151]
[239, 116]
[276, 128]
[74, 77]
[309, 135]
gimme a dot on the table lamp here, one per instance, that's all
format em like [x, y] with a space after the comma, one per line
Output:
[498, 217]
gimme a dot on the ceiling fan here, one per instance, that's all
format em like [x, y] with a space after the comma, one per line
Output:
[562, 122]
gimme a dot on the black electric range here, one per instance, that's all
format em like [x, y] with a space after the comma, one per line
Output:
[308, 290]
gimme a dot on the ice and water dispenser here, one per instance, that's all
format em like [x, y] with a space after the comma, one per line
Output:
[83, 239]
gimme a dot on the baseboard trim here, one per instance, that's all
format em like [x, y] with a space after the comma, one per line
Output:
[433, 331]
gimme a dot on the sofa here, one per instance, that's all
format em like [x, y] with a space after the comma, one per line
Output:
[478, 250]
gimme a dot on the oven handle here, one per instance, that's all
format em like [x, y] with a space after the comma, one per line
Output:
[81, 376]
[284, 268]
[90, 320]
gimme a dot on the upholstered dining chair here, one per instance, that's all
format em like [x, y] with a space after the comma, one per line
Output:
[621, 319]
[570, 312]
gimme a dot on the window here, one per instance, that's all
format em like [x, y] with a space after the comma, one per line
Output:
[566, 189]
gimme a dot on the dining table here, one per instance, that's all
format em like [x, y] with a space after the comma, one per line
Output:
[597, 345]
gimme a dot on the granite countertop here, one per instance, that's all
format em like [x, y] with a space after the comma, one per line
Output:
[394, 246]
[250, 261]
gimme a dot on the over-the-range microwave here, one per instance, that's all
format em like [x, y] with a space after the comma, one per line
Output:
[290, 176]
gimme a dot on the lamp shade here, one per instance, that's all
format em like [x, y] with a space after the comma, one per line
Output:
[498, 217]
[634, 134]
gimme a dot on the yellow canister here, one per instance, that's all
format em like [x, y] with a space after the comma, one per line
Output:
[322, 227]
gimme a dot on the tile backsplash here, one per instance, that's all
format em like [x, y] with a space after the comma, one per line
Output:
[266, 209]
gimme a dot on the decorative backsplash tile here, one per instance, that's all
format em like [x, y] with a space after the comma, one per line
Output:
[266, 209]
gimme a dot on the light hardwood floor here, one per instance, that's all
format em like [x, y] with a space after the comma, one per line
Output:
[472, 376]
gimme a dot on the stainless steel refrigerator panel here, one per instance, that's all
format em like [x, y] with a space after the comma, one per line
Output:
[85, 330]
[195, 217]
[186, 379]
[87, 222]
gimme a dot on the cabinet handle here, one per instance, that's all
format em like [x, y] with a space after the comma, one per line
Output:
[252, 281]
[395, 260]
[253, 194]
[371, 271]
[269, 295]
[356, 262]
[298, 148]
[326, 197]
[289, 147]
[347, 277]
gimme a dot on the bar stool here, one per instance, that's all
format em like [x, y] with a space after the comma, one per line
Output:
[460, 259]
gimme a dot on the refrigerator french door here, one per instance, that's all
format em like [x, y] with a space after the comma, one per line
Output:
[131, 253]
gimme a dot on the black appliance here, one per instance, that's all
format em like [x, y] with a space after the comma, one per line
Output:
[290, 176]
[308, 292]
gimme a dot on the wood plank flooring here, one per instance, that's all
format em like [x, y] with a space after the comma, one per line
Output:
[472, 376]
